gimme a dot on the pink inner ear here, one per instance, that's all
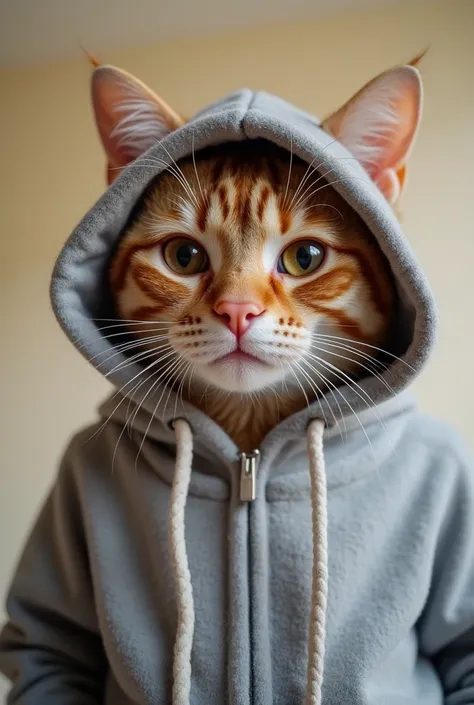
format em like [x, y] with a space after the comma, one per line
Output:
[379, 125]
[107, 94]
[129, 117]
[394, 146]
[390, 185]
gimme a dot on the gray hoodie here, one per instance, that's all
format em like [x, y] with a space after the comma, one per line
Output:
[155, 578]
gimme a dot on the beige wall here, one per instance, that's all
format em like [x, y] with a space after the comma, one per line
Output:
[52, 171]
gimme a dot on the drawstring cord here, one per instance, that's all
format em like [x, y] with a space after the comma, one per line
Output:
[319, 591]
[179, 560]
[182, 576]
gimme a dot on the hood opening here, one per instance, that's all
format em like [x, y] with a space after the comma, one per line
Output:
[80, 292]
[401, 330]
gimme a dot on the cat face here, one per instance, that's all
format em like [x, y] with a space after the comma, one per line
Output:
[243, 267]
[251, 265]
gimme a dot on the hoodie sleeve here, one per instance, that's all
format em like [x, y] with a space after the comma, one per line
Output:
[447, 625]
[50, 648]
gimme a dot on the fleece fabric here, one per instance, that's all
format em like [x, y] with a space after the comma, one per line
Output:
[92, 608]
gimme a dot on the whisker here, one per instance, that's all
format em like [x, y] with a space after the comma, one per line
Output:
[138, 357]
[129, 359]
[117, 445]
[314, 170]
[122, 321]
[323, 205]
[175, 372]
[130, 415]
[167, 168]
[277, 399]
[179, 171]
[366, 345]
[131, 400]
[123, 347]
[332, 325]
[289, 170]
[166, 376]
[195, 169]
[173, 169]
[125, 396]
[162, 374]
[132, 339]
[299, 384]
[344, 357]
[350, 407]
[190, 378]
[343, 376]
[331, 386]
[177, 204]
[308, 173]
[204, 392]
[124, 332]
[371, 359]
[321, 176]
[257, 398]
[317, 393]
[343, 346]
[125, 323]
[180, 389]
[310, 186]
[284, 385]
[145, 369]
[331, 183]
[311, 170]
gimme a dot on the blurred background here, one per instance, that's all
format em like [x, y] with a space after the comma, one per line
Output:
[315, 53]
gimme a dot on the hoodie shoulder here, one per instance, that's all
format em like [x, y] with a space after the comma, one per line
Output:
[437, 434]
[442, 452]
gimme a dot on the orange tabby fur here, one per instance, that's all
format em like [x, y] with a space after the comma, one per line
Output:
[242, 204]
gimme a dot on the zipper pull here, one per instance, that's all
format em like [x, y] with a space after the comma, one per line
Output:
[248, 475]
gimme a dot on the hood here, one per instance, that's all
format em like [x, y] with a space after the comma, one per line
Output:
[79, 289]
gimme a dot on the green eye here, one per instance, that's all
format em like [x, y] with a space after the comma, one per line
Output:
[301, 258]
[185, 256]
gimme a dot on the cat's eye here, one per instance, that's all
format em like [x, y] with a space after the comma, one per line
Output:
[185, 256]
[301, 258]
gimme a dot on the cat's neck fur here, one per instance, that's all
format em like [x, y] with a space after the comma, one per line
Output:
[247, 419]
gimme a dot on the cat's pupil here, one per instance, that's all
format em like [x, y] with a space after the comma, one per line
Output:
[184, 255]
[304, 255]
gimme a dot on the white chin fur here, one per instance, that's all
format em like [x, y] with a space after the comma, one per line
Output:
[239, 375]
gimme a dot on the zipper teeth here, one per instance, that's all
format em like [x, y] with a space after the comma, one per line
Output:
[250, 604]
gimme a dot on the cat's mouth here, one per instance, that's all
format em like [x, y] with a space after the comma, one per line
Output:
[239, 355]
[239, 370]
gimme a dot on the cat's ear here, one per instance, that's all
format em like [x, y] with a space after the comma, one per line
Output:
[379, 125]
[130, 117]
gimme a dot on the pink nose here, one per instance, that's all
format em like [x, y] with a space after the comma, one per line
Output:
[238, 315]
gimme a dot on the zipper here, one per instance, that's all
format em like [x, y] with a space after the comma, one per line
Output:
[248, 475]
[248, 492]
